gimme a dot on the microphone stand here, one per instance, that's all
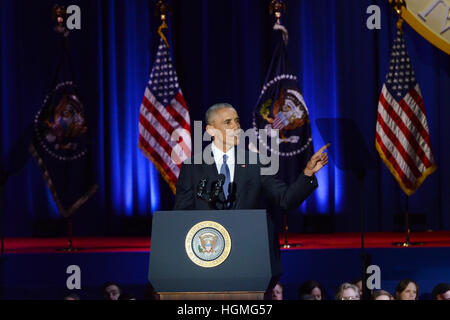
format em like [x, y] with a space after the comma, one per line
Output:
[213, 197]
[217, 190]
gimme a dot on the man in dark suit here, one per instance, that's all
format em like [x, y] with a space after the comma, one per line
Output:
[243, 184]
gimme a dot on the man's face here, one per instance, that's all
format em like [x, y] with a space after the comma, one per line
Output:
[224, 127]
[112, 292]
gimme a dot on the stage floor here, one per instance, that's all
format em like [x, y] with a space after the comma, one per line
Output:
[307, 241]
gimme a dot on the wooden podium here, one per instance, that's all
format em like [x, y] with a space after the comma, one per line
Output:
[213, 255]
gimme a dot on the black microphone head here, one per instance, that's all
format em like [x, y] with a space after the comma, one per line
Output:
[201, 187]
[218, 185]
[203, 182]
[220, 180]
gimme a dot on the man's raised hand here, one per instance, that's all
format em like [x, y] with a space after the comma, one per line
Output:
[317, 161]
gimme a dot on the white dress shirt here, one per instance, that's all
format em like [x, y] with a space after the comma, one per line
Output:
[218, 158]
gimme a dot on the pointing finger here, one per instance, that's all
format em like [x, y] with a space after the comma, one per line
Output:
[323, 148]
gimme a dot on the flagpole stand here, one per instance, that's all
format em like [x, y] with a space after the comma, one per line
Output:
[407, 243]
[69, 247]
[286, 245]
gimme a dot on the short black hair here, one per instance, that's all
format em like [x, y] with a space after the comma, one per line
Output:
[214, 108]
[440, 289]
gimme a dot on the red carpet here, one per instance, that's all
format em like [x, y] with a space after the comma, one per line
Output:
[307, 241]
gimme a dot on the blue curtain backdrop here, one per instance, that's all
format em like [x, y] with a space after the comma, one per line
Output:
[222, 50]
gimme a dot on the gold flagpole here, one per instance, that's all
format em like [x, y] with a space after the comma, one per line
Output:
[163, 9]
[59, 16]
[399, 6]
[276, 7]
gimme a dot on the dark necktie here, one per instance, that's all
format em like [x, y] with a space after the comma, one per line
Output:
[226, 172]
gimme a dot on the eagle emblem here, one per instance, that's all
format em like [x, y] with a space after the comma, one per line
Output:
[61, 126]
[289, 113]
[207, 243]
[66, 124]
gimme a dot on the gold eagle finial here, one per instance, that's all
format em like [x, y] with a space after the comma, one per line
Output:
[276, 6]
[398, 6]
[162, 9]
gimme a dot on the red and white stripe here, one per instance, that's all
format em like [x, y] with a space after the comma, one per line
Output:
[278, 124]
[164, 134]
[403, 138]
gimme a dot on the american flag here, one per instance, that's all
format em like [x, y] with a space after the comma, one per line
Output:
[402, 133]
[280, 121]
[164, 122]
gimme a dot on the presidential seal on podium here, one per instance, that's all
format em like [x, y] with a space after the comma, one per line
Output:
[208, 244]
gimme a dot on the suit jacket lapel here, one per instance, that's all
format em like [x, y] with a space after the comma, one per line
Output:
[211, 170]
[239, 172]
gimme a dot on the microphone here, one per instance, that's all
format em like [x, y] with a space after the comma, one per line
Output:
[221, 179]
[218, 186]
[201, 187]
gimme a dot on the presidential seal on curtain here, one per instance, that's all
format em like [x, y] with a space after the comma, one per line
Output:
[60, 145]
